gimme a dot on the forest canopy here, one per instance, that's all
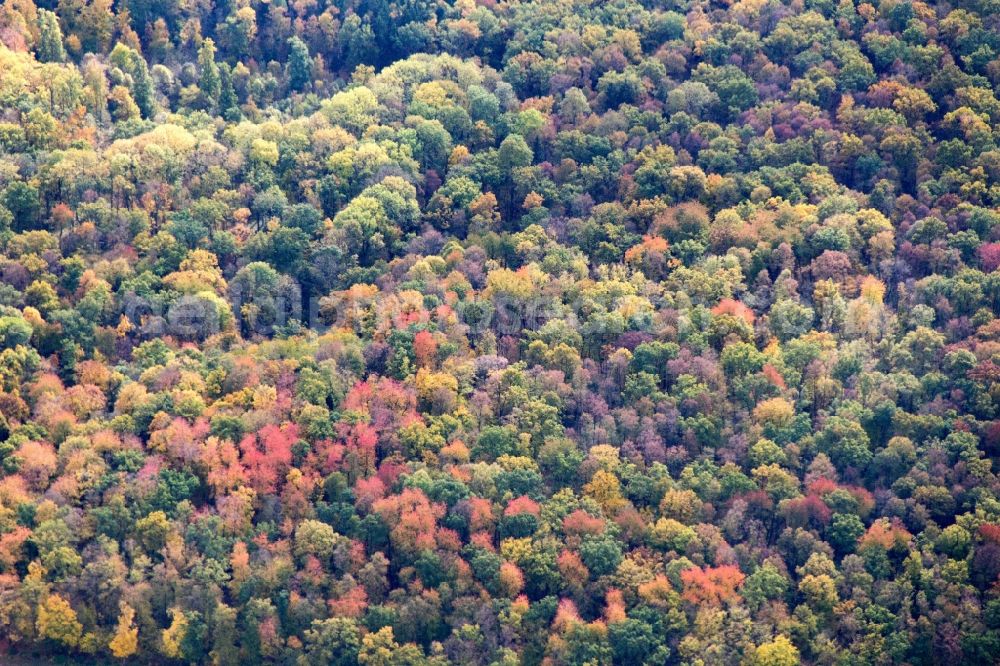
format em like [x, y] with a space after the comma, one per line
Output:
[562, 332]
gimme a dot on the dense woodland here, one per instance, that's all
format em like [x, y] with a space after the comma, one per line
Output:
[549, 332]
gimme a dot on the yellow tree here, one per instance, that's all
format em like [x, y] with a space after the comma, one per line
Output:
[173, 635]
[57, 621]
[606, 489]
[779, 652]
[125, 642]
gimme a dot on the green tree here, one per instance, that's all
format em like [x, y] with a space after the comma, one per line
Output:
[22, 200]
[130, 62]
[50, 40]
[332, 642]
[767, 583]
[209, 79]
[14, 331]
[299, 64]
[846, 442]
[844, 531]
[635, 642]
[601, 555]
[315, 538]
[735, 90]
[229, 104]
[513, 153]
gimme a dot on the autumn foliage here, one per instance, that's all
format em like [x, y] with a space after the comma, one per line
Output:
[499, 333]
